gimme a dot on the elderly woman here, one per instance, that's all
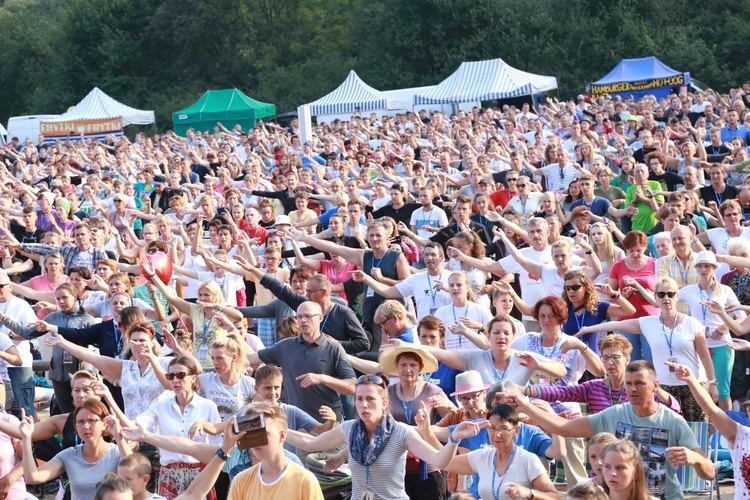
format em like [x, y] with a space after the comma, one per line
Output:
[396, 321]
[378, 444]
[405, 398]
[675, 337]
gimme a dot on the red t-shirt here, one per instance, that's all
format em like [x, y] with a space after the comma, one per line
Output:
[645, 277]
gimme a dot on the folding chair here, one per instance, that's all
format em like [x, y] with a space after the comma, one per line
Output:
[687, 476]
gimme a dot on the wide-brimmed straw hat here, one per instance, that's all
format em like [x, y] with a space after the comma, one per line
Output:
[389, 356]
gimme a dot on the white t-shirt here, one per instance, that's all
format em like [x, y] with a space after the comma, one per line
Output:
[5, 344]
[449, 316]
[483, 362]
[434, 218]
[229, 285]
[692, 296]
[683, 346]
[719, 237]
[532, 289]
[21, 312]
[552, 281]
[197, 264]
[740, 451]
[422, 288]
[523, 469]
[229, 400]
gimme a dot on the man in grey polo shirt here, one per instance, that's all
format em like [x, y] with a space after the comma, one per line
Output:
[316, 369]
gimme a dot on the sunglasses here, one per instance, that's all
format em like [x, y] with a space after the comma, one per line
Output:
[178, 375]
[573, 288]
[370, 379]
[661, 295]
[521, 185]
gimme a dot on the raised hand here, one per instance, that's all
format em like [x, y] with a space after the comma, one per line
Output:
[682, 372]
[468, 429]
[422, 417]
[572, 343]
[738, 344]
[196, 430]
[358, 276]
[327, 413]
[27, 425]
[134, 434]
[528, 360]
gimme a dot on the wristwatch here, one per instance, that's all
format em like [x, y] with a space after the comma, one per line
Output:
[615, 295]
[531, 495]
[221, 454]
[712, 381]
[483, 329]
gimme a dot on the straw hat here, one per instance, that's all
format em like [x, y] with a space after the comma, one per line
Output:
[388, 359]
[468, 382]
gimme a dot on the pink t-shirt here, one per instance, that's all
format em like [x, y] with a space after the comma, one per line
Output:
[645, 277]
[42, 284]
[326, 269]
[8, 459]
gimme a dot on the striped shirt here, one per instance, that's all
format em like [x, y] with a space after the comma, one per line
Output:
[595, 393]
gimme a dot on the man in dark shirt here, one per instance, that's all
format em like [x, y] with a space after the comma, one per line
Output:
[657, 162]
[648, 145]
[718, 191]
[461, 213]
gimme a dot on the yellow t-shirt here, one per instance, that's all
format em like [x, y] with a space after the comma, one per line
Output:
[294, 483]
[201, 345]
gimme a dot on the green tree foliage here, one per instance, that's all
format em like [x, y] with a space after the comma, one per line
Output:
[163, 54]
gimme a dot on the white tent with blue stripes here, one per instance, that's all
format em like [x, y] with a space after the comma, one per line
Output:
[350, 95]
[98, 105]
[485, 81]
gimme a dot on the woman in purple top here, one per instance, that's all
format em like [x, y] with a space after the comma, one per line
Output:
[600, 394]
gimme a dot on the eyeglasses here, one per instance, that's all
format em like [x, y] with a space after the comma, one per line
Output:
[309, 292]
[501, 430]
[614, 358]
[119, 201]
[370, 379]
[88, 422]
[514, 179]
[179, 375]
[4, 285]
[661, 295]
[573, 288]
[307, 317]
[732, 214]
[470, 397]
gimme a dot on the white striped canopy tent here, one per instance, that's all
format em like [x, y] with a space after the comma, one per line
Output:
[485, 81]
[353, 93]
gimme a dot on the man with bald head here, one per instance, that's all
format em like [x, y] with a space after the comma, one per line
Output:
[316, 368]
[680, 265]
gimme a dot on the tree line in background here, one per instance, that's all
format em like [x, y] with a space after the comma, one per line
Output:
[163, 54]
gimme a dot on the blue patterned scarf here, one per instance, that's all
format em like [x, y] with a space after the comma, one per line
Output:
[365, 451]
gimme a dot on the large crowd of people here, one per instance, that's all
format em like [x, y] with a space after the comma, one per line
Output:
[497, 291]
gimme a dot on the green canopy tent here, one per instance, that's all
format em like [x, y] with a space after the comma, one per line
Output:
[229, 107]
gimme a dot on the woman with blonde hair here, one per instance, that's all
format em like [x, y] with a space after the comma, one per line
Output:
[208, 322]
[600, 236]
[597, 444]
[396, 321]
[227, 385]
[463, 309]
[672, 336]
[624, 477]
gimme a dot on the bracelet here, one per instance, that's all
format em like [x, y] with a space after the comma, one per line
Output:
[151, 275]
[452, 440]
[615, 295]
[585, 349]
[589, 252]
[712, 381]
[222, 455]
